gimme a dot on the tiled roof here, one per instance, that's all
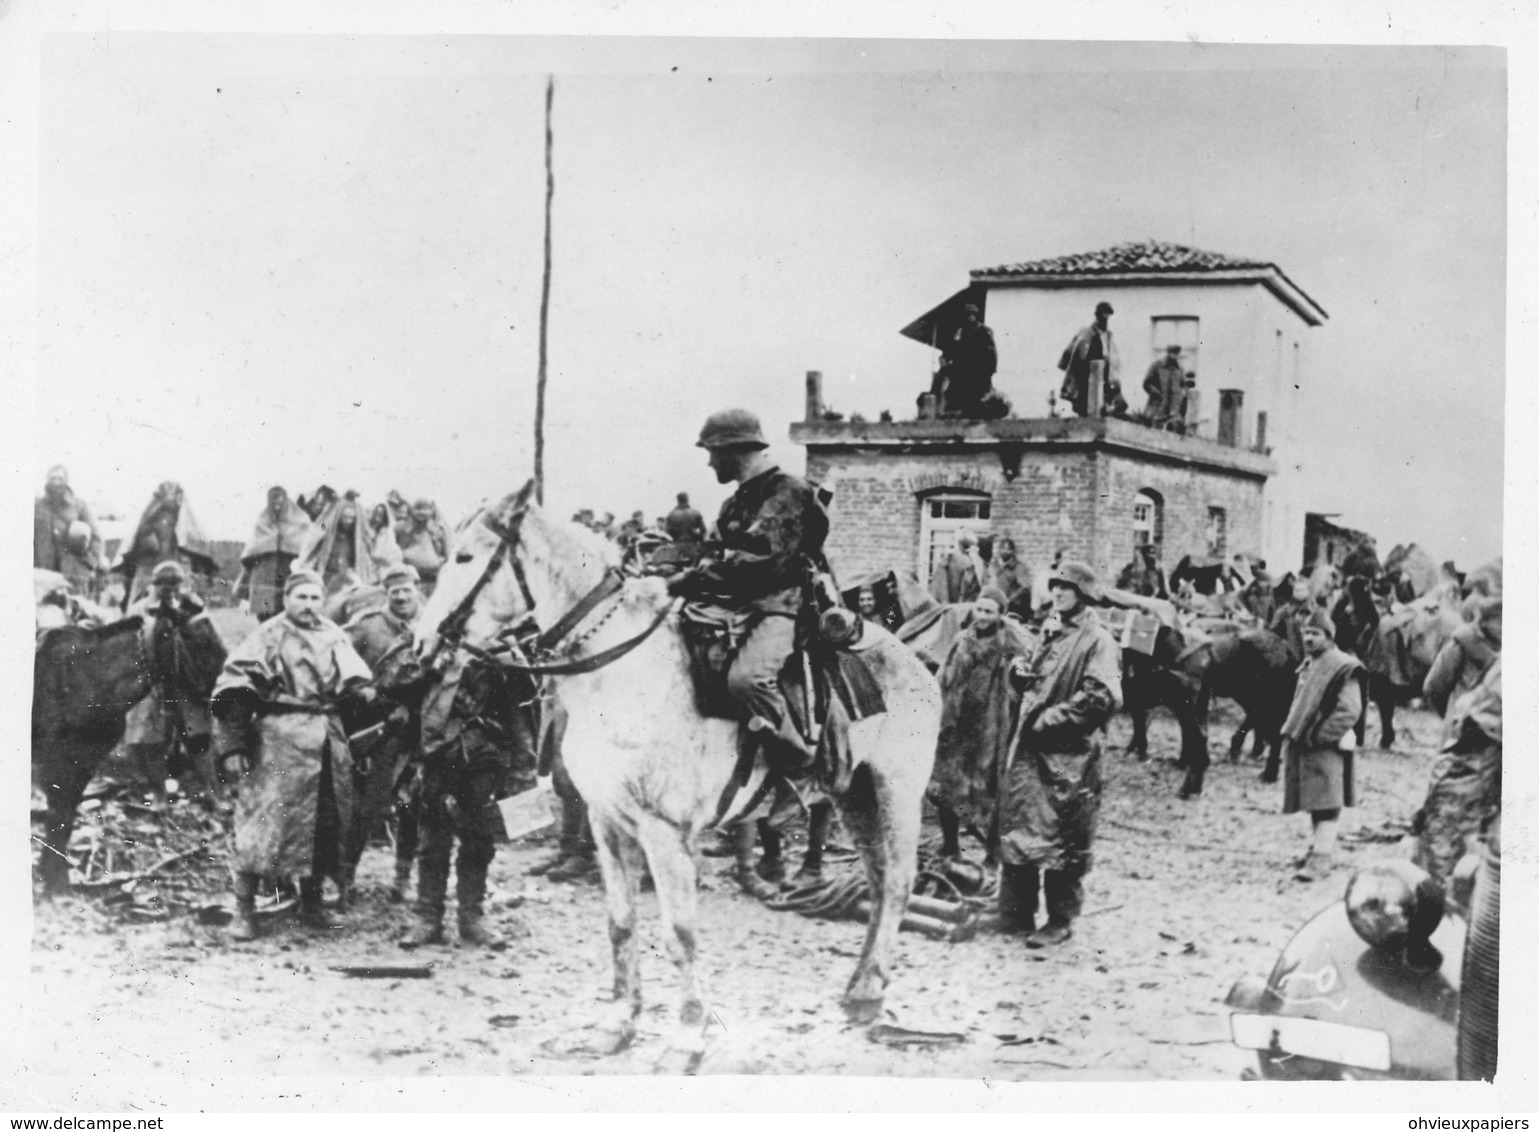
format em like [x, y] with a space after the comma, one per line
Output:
[1152, 257]
[1146, 255]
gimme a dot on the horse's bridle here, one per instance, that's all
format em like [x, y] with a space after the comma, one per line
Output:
[451, 630]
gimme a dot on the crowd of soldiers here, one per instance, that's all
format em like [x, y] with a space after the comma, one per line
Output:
[318, 715]
[310, 714]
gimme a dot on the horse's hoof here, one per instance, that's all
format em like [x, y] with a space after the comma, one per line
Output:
[1191, 788]
[608, 1040]
[808, 874]
[755, 886]
[1269, 777]
[862, 1012]
[684, 1054]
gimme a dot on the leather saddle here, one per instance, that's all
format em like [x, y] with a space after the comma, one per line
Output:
[826, 688]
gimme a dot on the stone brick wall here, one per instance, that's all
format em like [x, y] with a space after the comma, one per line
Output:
[1187, 494]
[1079, 500]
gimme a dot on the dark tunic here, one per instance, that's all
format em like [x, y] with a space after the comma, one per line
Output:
[685, 524]
[773, 528]
[968, 363]
[976, 720]
[1052, 791]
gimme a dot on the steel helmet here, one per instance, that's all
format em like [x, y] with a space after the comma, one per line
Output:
[731, 428]
[78, 538]
[1078, 575]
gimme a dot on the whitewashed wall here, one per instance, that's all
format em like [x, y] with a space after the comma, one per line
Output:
[1249, 340]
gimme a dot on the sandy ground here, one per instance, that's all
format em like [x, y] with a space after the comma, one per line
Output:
[1185, 897]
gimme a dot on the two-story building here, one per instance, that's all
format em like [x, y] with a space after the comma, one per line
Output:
[1095, 487]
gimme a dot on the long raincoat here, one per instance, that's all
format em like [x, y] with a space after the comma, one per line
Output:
[1051, 795]
[975, 721]
[300, 675]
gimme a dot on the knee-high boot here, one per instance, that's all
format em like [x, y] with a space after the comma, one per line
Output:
[432, 889]
[1019, 886]
[470, 895]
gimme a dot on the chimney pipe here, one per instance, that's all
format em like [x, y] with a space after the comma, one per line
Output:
[814, 395]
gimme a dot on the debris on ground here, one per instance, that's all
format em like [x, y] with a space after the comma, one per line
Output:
[149, 860]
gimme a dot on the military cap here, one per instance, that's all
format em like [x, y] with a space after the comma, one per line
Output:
[401, 572]
[302, 577]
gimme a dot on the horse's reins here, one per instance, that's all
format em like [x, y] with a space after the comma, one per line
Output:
[451, 629]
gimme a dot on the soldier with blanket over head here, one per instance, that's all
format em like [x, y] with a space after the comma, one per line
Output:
[976, 720]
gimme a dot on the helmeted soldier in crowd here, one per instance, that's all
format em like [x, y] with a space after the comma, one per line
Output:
[1050, 796]
[772, 530]
[64, 535]
[168, 715]
[478, 745]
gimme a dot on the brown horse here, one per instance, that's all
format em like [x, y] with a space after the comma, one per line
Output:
[84, 682]
[651, 768]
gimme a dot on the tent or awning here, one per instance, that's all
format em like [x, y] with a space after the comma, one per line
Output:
[933, 326]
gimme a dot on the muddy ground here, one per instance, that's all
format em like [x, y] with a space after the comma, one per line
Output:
[1184, 898]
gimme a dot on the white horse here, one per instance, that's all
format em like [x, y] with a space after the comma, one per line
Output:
[650, 767]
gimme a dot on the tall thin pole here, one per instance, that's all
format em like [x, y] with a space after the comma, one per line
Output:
[539, 394]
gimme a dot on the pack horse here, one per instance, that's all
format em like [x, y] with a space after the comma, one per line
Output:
[651, 768]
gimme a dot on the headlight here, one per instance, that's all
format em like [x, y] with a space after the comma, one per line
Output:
[1394, 904]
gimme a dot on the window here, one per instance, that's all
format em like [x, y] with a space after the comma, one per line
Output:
[1175, 330]
[1218, 532]
[1148, 519]
[942, 520]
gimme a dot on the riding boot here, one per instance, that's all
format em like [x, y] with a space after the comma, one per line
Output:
[402, 880]
[312, 914]
[1063, 892]
[1019, 886]
[432, 888]
[470, 895]
[573, 868]
[243, 926]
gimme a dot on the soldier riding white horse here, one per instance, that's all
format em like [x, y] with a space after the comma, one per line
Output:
[652, 768]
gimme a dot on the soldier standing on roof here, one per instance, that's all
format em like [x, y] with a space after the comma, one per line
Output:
[1092, 344]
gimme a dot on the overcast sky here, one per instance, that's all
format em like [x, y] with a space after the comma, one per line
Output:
[302, 259]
